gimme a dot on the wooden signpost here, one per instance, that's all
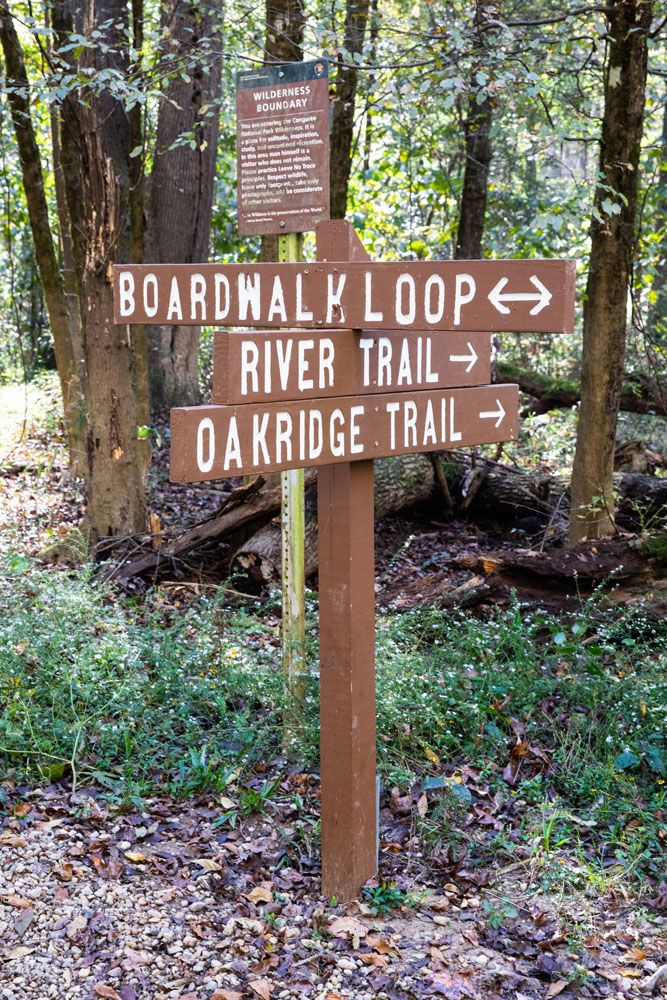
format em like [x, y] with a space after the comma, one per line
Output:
[373, 359]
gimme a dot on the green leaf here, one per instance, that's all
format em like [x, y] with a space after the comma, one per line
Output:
[626, 760]
[137, 151]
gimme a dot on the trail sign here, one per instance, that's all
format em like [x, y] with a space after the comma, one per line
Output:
[385, 359]
[214, 442]
[296, 364]
[282, 147]
[475, 295]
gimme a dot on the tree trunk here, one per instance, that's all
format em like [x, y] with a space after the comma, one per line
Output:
[63, 323]
[657, 314]
[612, 246]
[115, 486]
[182, 184]
[399, 482]
[478, 153]
[342, 124]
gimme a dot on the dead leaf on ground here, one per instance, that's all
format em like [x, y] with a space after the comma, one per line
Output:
[135, 857]
[23, 921]
[372, 958]
[556, 988]
[422, 805]
[65, 871]
[226, 995]
[11, 840]
[106, 991]
[348, 927]
[262, 988]
[208, 864]
[18, 901]
[262, 893]
[76, 927]
[21, 951]
[634, 955]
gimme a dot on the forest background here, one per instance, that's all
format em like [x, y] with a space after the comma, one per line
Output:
[457, 130]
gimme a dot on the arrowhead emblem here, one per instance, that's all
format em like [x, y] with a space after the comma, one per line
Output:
[491, 414]
[542, 297]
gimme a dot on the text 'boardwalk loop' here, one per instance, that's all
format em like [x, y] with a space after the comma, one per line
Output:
[485, 295]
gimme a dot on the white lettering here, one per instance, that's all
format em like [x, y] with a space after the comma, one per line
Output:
[334, 297]
[205, 464]
[284, 353]
[126, 292]
[404, 317]
[366, 344]
[356, 447]
[434, 315]
[277, 306]
[197, 296]
[304, 366]
[233, 447]
[337, 438]
[174, 311]
[461, 297]
[259, 439]
[221, 282]
[249, 362]
[431, 376]
[283, 437]
[327, 354]
[302, 313]
[429, 425]
[392, 410]
[150, 281]
[384, 361]
[249, 295]
[370, 315]
[404, 370]
[410, 424]
[314, 433]
[454, 435]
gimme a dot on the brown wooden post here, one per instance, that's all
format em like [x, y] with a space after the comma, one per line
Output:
[347, 649]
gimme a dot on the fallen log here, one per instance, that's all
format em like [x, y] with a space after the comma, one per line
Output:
[400, 482]
[639, 393]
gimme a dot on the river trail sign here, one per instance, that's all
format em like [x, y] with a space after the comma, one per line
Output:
[377, 359]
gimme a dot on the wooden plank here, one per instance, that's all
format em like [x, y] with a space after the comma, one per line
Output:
[259, 366]
[475, 295]
[215, 442]
[347, 677]
[346, 584]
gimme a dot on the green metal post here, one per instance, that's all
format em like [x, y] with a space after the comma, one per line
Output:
[290, 249]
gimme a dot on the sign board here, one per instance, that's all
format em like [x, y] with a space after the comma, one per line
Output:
[282, 147]
[476, 295]
[214, 442]
[254, 366]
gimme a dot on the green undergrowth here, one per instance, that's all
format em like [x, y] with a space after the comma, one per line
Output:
[563, 717]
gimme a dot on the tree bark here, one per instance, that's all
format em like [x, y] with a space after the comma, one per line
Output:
[115, 486]
[478, 154]
[657, 313]
[399, 482]
[63, 323]
[182, 183]
[612, 247]
[342, 124]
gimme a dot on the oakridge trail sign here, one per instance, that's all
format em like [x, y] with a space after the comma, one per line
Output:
[479, 295]
[354, 360]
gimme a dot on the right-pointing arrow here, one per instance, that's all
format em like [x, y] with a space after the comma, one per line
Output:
[499, 413]
[470, 358]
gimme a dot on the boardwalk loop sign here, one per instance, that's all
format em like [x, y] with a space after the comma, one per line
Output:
[341, 362]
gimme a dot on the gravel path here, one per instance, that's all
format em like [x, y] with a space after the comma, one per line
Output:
[161, 905]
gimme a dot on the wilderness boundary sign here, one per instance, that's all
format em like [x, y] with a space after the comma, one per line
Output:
[372, 359]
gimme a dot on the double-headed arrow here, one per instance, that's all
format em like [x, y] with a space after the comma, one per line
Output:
[542, 297]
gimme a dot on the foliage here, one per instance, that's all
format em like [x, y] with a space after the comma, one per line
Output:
[187, 697]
